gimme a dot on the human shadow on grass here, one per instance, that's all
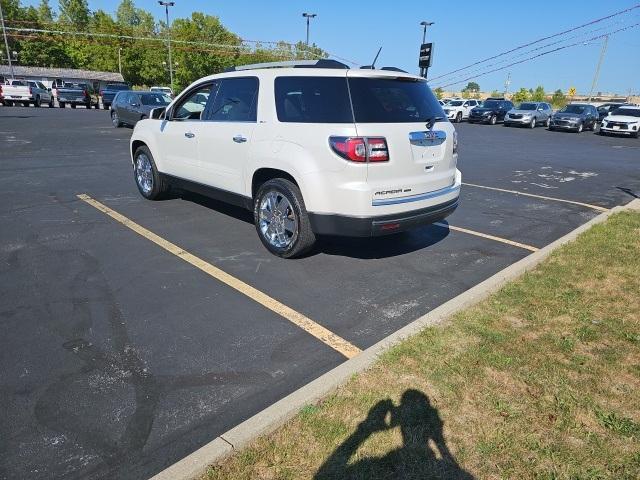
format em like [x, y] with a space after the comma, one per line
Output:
[423, 455]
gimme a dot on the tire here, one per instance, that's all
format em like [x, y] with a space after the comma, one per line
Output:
[151, 184]
[532, 125]
[493, 120]
[287, 194]
[580, 128]
[25, 104]
[115, 119]
[8, 103]
[38, 102]
[459, 117]
[635, 135]
[105, 107]
[73, 105]
[61, 104]
[51, 102]
[548, 123]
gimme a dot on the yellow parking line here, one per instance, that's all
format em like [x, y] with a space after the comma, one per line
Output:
[490, 237]
[542, 197]
[326, 336]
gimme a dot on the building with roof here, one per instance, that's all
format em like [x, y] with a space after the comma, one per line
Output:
[48, 75]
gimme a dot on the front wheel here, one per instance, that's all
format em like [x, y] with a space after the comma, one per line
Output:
[150, 183]
[115, 119]
[459, 117]
[38, 102]
[73, 105]
[580, 128]
[493, 120]
[51, 102]
[281, 219]
[533, 123]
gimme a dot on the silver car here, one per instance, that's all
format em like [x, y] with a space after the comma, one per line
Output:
[130, 106]
[529, 114]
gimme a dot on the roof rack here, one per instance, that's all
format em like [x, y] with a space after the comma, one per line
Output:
[322, 63]
[389, 69]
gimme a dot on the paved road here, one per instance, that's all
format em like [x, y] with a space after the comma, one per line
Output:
[120, 358]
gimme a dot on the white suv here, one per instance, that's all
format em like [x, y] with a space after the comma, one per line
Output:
[458, 110]
[312, 147]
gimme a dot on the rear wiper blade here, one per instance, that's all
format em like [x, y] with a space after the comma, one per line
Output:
[433, 120]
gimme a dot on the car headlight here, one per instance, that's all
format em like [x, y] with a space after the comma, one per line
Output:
[526, 115]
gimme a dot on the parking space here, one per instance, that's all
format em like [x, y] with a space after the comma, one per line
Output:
[122, 356]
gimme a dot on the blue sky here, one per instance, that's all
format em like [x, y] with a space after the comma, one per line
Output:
[465, 31]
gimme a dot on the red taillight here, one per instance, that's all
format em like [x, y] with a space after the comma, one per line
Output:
[361, 149]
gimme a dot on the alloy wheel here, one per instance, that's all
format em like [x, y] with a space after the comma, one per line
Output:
[144, 173]
[278, 221]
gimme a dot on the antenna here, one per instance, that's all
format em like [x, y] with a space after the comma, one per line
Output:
[373, 65]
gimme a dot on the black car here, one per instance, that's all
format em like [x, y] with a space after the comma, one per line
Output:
[576, 117]
[128, 107]
[492, 111]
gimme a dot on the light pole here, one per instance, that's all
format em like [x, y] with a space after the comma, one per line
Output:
[6, 42]
[309, 16]
[425, 24]
[120, 60]
[166, 6]
[597, 74]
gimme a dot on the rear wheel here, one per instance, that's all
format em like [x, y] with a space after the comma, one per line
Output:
[61, 104]
[8, 103]
[150, 183]
[105, 107]
[548, 123]
[73, 105]
[459, 117]
[281, 219]
[25, 104]
[51, 105]
[38, 102]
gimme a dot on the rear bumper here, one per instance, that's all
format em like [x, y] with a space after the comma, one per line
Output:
[331, 224]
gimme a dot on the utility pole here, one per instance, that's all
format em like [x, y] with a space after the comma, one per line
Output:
[120, 60]
[6, 42]
[166, 6]
[507, 82]
[597, 74]
[425, 24]
[308, 16]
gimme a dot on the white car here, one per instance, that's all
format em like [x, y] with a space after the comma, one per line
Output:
[26, 92]
[165, 90]
[622, 121]
[317, 150]
[458, 110]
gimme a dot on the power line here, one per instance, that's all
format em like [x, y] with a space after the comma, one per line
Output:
[539, 55]
[597, 20]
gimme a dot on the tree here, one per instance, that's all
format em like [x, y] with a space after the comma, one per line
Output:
[496, 94]
[439, 91]
[75, 12]
[471, 87]
[521, 95]
[558, 99]
[45, 14]
[539, 94]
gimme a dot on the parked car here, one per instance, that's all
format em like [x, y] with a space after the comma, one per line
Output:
[166, 90]
[492, 111]
[128, 107]
[76, 94]
[458, 110]
[109, 92]
[622, 121]
[576, 117]
[529, 114]
[317, 150]
[26, 92]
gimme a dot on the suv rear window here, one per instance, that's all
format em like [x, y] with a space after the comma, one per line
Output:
[117, 86]
[393, 100]
[313, 100]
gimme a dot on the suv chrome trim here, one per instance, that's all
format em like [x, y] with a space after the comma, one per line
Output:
[416, 198]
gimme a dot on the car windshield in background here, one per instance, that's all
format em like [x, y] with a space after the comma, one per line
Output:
[391, 100]
[157, 99]
[457, 103]
[491, 104]
[19, 83]
[627, 112]
[312, 100]
[528, 106]
[114, 86]
[573, 109]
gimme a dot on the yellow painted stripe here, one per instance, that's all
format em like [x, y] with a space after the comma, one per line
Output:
[542, 197]
[326, 336]
[490, 237]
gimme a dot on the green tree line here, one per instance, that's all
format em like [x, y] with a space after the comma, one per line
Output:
[133, 41]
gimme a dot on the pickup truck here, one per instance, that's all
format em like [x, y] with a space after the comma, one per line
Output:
[26, 92]
[76, 94]
[110, 91]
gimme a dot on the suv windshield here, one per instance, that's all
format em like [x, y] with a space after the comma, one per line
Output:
[491, 104]
[457, 103]
[393, 100]
[573, 109]
[627, 112]
[159, 99]
[528, 106]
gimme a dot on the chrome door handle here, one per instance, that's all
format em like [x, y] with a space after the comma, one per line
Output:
[239, 139]
[189, 134]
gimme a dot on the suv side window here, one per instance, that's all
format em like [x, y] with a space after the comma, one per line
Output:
[192, 106]
[236, 101]
[313, 100]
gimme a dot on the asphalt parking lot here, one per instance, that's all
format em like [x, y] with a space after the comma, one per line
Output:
[120, 358]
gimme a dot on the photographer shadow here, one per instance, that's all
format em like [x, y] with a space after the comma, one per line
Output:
[424, 454]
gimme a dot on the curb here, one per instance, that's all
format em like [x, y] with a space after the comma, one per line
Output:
[266, 421]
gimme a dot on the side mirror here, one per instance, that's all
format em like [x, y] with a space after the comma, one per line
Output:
[158, 113]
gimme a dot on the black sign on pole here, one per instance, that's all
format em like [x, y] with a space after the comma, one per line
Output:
[425, 59]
